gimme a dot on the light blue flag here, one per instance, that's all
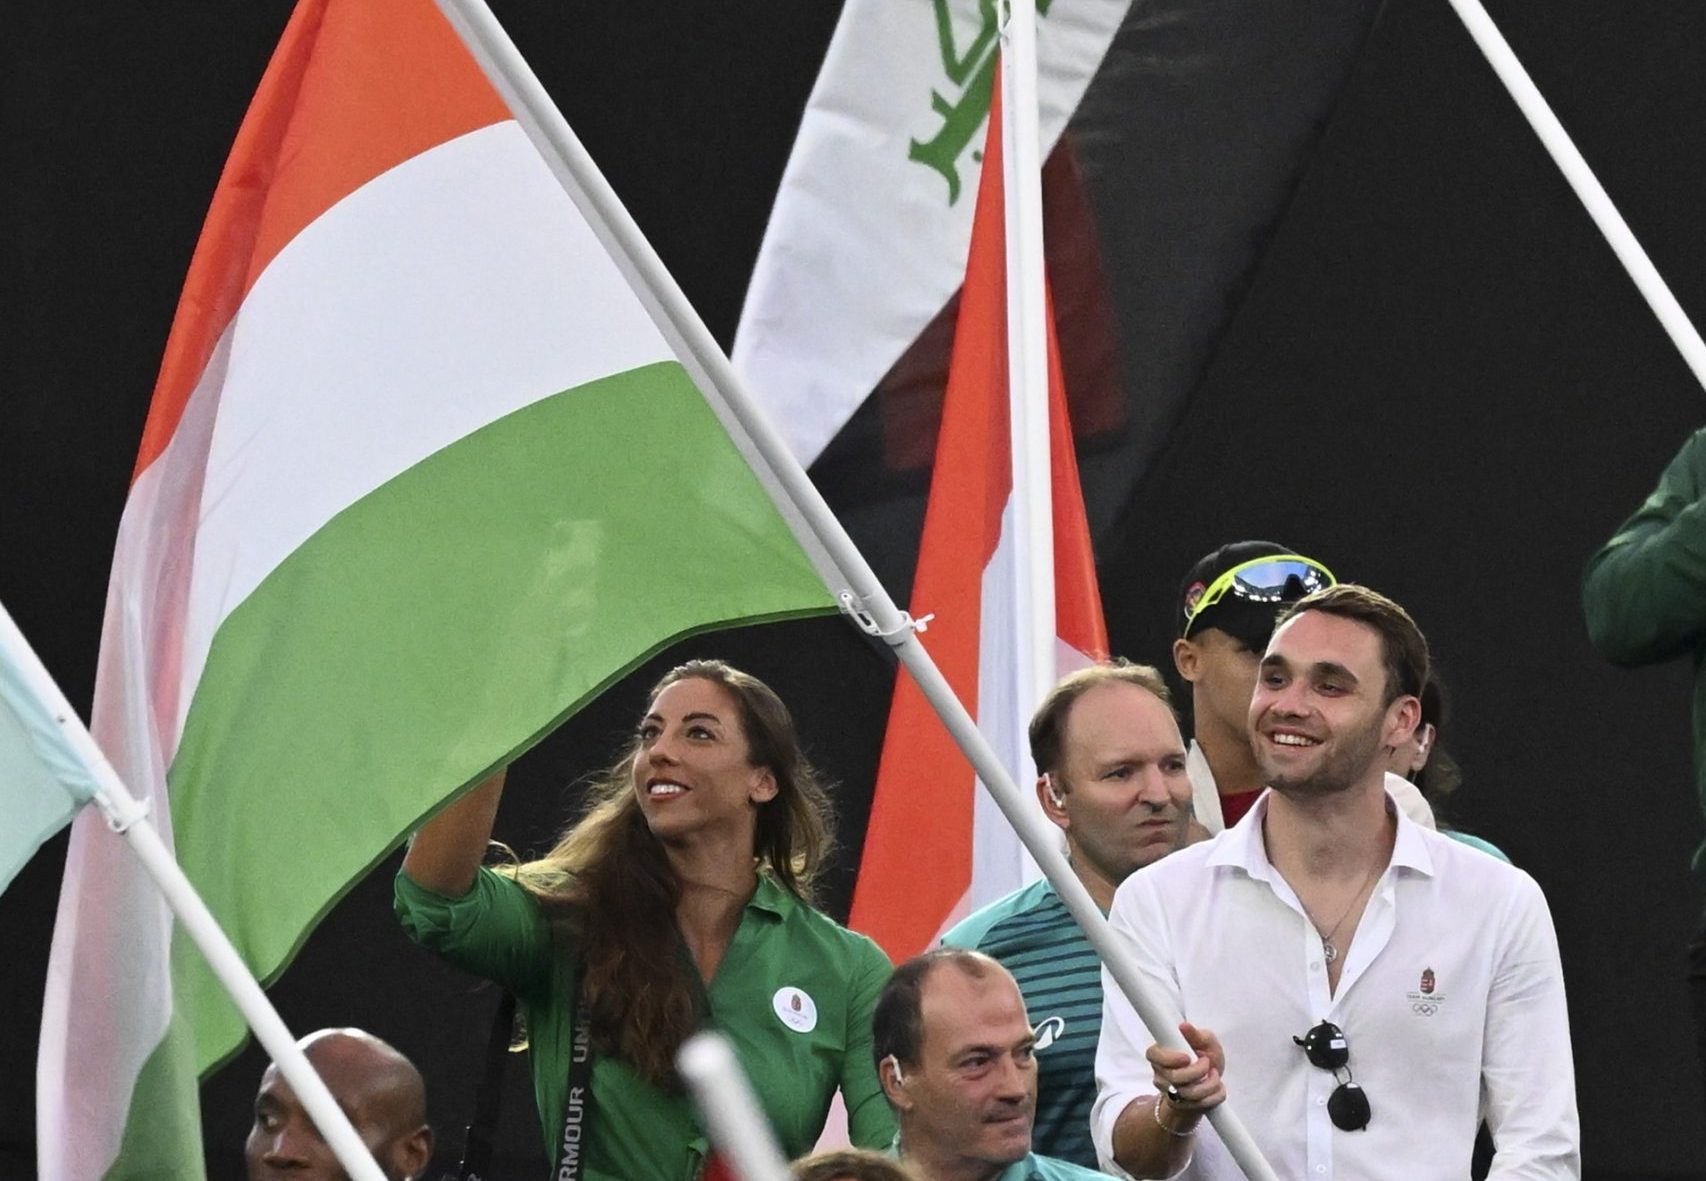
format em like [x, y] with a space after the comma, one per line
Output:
[43, 781]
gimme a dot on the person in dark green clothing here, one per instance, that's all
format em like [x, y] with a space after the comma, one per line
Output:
[680, 901]
[1645, 600]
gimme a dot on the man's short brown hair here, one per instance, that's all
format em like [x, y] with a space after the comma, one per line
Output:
[1049, 721]
[1403, 648]
[850, 1164]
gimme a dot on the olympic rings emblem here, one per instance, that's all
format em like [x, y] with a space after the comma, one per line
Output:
[1424, 1008]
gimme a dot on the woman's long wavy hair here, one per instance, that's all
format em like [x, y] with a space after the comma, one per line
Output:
[608, 886]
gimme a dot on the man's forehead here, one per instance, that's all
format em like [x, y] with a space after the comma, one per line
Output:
[275, 1090]
[961, 1010]
[1315, 637]
[1120, 713]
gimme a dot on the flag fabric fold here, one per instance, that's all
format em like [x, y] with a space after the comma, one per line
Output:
[42, 781]
[893, 118]
[419, 476]
[936, 846]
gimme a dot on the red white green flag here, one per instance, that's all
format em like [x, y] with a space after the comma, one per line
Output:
[928, 809]
[413, 453]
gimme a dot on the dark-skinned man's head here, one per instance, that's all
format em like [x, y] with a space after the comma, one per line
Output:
[377, 1087]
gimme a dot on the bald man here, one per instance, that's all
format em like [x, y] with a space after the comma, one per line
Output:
[378, 1088]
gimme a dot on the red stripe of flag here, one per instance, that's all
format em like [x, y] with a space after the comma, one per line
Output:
[916, 869]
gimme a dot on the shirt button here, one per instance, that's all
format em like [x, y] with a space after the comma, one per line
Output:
[1314, 965]
[1320, 1168]
[1321, 1102]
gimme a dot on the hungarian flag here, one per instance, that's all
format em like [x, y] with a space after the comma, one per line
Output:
[936, 846]
[411, 470]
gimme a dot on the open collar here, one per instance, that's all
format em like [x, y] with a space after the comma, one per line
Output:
[1242, 847]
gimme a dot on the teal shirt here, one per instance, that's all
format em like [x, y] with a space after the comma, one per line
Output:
[1475, 842]
[796, 1057]
[1645, 592]
[1044, 1168]
[1034, 937]
[1039, 1168]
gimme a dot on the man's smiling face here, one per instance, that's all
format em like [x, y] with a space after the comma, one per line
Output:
[1319, 718]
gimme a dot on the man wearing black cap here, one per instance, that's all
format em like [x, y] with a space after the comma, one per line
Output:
[1227, 607]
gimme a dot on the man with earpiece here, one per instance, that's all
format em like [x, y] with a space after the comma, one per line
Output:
[1111, 774]
[957, 1058]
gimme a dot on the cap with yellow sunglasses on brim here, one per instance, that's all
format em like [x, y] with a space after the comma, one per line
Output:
[1242, 587]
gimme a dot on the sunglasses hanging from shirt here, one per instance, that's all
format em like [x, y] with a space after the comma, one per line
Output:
[1262, 582]
[1325, 1047]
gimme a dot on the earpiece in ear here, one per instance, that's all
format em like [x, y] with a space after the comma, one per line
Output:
[899, 1075]
[1054, 792]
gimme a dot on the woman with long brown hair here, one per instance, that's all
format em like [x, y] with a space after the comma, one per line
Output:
[681, 900]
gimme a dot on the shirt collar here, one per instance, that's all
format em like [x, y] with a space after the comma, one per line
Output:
[1242, 847]
[772, 897]
[1020, 1170]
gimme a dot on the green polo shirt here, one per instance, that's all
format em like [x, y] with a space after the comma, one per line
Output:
[794, 995]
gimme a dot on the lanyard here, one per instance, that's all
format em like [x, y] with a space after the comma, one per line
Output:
[577, 1100]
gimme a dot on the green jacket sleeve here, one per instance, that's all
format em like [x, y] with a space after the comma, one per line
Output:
[870, 1122]
[1644, 594]
[496, 930]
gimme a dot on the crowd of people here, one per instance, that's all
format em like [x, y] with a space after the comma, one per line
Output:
[1371, 987]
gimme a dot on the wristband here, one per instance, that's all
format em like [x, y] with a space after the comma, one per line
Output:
[1156, 1111]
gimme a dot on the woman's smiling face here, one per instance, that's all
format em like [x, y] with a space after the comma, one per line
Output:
[693, 769]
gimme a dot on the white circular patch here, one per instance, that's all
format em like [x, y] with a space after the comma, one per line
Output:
[795, 1009]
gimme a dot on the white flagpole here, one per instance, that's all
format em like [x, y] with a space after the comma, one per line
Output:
[128, 816]
[736, 1123]
[1593, 196]
[863, 597]
[1027, 359]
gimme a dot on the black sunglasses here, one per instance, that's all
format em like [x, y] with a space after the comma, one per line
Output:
[1325, 1047]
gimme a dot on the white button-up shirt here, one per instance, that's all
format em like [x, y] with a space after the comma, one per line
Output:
[1451, 1000]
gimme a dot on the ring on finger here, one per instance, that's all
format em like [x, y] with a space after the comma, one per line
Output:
[1173, 1095]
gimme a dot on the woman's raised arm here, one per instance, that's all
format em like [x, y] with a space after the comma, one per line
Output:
[447, 851]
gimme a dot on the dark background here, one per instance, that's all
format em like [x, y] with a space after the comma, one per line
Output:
[1436, 378]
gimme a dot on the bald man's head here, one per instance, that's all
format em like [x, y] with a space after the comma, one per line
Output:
[378, 1088]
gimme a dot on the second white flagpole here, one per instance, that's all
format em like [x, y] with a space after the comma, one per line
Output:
[1027, 358]
[1581, 178]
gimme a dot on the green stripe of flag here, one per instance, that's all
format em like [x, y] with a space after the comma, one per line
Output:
[464, 608]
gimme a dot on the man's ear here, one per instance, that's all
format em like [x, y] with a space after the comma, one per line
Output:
[1402, 718]
[1185, 659]
[413, 1152]
[894, 1083]
[1052, 800]
[764, 787]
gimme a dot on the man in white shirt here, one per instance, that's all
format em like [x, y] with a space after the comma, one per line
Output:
[1365, 989]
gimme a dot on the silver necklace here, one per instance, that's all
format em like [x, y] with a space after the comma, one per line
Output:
[1329, 950]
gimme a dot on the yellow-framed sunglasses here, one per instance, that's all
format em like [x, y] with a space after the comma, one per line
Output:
[1268, 581]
